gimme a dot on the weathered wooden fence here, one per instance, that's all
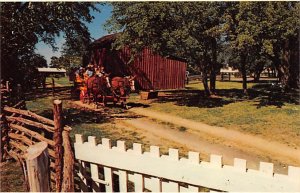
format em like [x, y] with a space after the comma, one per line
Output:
[106, 168]
[22, 128]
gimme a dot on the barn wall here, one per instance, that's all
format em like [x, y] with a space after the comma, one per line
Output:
[152, 71]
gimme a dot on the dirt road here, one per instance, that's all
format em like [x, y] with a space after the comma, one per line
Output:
[219, 140]
[206, 139]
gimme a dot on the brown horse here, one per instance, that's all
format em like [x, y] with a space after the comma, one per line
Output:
[97, 86]
[121, 87]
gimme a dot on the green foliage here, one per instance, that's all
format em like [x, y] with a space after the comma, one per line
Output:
[257, 31]
[178, 28]
[251, 33]
[187, 30]
[24, 24]
[66, 61]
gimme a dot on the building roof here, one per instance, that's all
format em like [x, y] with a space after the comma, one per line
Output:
[104, 41]
[52, 70]
[108, 40]
[228, 70]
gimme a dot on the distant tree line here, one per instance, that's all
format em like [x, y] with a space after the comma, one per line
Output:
[248, 35]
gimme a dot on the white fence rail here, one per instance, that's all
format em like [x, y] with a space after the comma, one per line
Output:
[120, 169]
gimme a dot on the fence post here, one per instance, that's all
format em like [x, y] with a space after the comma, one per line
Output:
[57, 115]
[37, 162]
[68, 170]
[53, 85]
[4, 137]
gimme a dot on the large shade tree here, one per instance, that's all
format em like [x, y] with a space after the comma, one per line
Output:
[24, 24]
[260, 32]
[188, 30]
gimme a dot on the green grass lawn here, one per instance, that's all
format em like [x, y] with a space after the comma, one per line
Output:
[219, 85]
[62, 81]
[266, 111]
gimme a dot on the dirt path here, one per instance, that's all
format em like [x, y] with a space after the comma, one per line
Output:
[194, 142]
[208, 139]
[236, 139]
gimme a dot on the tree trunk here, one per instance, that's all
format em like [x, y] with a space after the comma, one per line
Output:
[205, 83]
[214, 66]
[258, 70]
[256, 76]
[293, 79]
[244, 73]
[212, 81]
[285, 64]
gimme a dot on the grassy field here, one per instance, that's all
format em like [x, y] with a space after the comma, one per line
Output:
[11, 176]
[62, 81]
[266, 111]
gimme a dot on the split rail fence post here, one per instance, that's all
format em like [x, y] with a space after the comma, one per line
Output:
[57, 115]
[53, 85]
[68, 170]
[4, 137]
[38, 172]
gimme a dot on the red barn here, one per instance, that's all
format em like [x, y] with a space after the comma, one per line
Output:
[153, 72]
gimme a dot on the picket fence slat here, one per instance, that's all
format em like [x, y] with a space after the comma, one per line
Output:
[138, 181]
[153, 184]
[123, 181]
[170, 187]
[150, 170]
[108, 178]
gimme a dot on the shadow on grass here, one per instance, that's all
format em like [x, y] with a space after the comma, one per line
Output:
[274, 95]
[266, 95]
[134, 104]
[62, 93]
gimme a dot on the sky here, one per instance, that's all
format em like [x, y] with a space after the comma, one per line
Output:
[96, 29]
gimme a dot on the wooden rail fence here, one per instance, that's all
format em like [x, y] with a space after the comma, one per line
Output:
[107, 168]
[23, 128]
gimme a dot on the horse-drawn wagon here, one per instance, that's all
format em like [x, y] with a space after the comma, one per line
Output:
[100, 90]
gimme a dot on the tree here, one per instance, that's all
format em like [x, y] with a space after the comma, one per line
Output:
[188, 30]
[24, 24]
[282, 42]
[263, 31]
[66, 61]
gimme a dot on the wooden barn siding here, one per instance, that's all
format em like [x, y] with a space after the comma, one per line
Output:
[153, 71]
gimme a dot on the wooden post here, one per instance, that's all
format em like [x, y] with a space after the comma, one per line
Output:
[7, 86]
[68, 170]
[57, 137]
[53, 85]
[4, 138]
[37, 162]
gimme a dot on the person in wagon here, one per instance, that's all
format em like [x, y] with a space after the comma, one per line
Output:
[90, 71]
[101, 73]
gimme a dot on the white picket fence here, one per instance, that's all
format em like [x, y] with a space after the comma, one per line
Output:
[132, 169]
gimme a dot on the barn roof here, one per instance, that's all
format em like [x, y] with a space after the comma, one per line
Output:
[52, 70]
[106, 42]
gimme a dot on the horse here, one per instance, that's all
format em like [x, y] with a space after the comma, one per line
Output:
[121, 87]
[97, 86]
